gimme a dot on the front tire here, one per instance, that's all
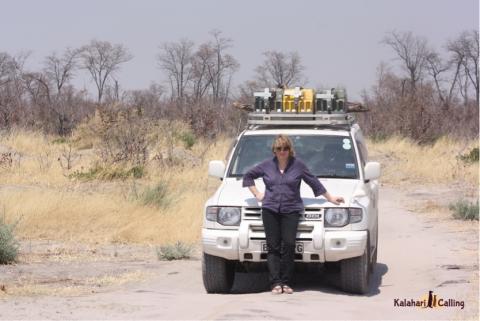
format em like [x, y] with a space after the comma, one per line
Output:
[354, 274]
[218, 274]
[373, 264]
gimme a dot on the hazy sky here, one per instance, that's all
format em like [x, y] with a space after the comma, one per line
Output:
[338, 40]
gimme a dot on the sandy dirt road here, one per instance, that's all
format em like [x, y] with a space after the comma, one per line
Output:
[417, 253]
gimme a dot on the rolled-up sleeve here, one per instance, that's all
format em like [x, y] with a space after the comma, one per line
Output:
[253, 173]
[313, 182]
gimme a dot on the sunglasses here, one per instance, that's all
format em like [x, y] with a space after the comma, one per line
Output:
[282, 149]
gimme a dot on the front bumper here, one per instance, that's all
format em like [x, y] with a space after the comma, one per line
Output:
[222, 243]
[318, 245]
[341, 245]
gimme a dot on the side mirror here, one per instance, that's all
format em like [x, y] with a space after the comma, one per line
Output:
[372, 170]
[216, 168]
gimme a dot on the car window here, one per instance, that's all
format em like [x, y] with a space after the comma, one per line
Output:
[325, 156]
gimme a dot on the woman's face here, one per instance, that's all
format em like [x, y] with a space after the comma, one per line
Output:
[282, 152]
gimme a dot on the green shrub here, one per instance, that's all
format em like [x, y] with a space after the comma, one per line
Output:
[188, 139]
[157, 196]
[8, 244]
[60, 140]
[137, 171]
[464, 210]
[120, 173]
[470, 157]
[89, 175]
[108, 174]
[177, 251]
[378, 137]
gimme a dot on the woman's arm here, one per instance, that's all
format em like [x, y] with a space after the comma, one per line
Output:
[318, 188]
[248, 180]
[312, 181]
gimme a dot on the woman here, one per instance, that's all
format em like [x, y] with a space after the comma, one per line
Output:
[281, 207]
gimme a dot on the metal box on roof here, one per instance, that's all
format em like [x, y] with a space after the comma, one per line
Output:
[331, 100]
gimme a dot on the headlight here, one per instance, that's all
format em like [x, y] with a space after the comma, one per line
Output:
[339, 217]
[336, 217]
[229, 216]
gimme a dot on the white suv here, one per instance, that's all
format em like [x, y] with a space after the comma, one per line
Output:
[233, 233]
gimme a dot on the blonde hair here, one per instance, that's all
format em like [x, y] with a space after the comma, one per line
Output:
[283, 141]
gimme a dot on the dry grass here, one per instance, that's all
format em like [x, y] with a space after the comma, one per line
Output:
[70, 215]
[50, 205]
[37, 160]
[403, 161]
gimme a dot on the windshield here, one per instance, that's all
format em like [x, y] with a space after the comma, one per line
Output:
[325, 156]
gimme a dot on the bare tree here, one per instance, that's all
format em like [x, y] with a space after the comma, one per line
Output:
[280, 69]
[412, 51]
[201, 79]
[12, 88]
[176, 60]
[61, 69]
[221, 66]
[150, 100]
[52, 109]
[5, 67]
[465, 52]
[38, 87]
[438, 70]
[102, 59]
[417, 115]
[7, 70]
[473, 57]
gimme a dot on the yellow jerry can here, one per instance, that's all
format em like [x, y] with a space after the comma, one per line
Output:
[298, 100]
[289, 99]
[306, 103]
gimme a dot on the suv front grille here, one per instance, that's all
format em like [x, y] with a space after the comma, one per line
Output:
[252, 213]
[255, 213]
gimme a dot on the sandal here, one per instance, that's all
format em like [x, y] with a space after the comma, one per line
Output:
[286, 289]
[277, 289]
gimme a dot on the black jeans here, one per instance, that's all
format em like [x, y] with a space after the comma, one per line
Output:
[280, 232]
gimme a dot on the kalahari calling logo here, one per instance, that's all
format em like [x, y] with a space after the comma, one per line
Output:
[429, 301]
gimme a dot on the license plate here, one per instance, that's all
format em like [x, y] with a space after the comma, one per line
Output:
[298, 247]
[313, 216]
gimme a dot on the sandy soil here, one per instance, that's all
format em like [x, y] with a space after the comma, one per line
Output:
[420, 249]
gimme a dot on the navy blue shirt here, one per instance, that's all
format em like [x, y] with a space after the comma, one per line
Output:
[282, 191]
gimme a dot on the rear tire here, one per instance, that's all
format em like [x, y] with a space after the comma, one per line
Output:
[355, 274]
[218, 274]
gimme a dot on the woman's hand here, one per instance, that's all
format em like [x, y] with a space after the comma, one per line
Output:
[259, 196]
[334, 199]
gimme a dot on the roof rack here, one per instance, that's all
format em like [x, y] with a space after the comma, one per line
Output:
[300, 106]
[319, 119]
